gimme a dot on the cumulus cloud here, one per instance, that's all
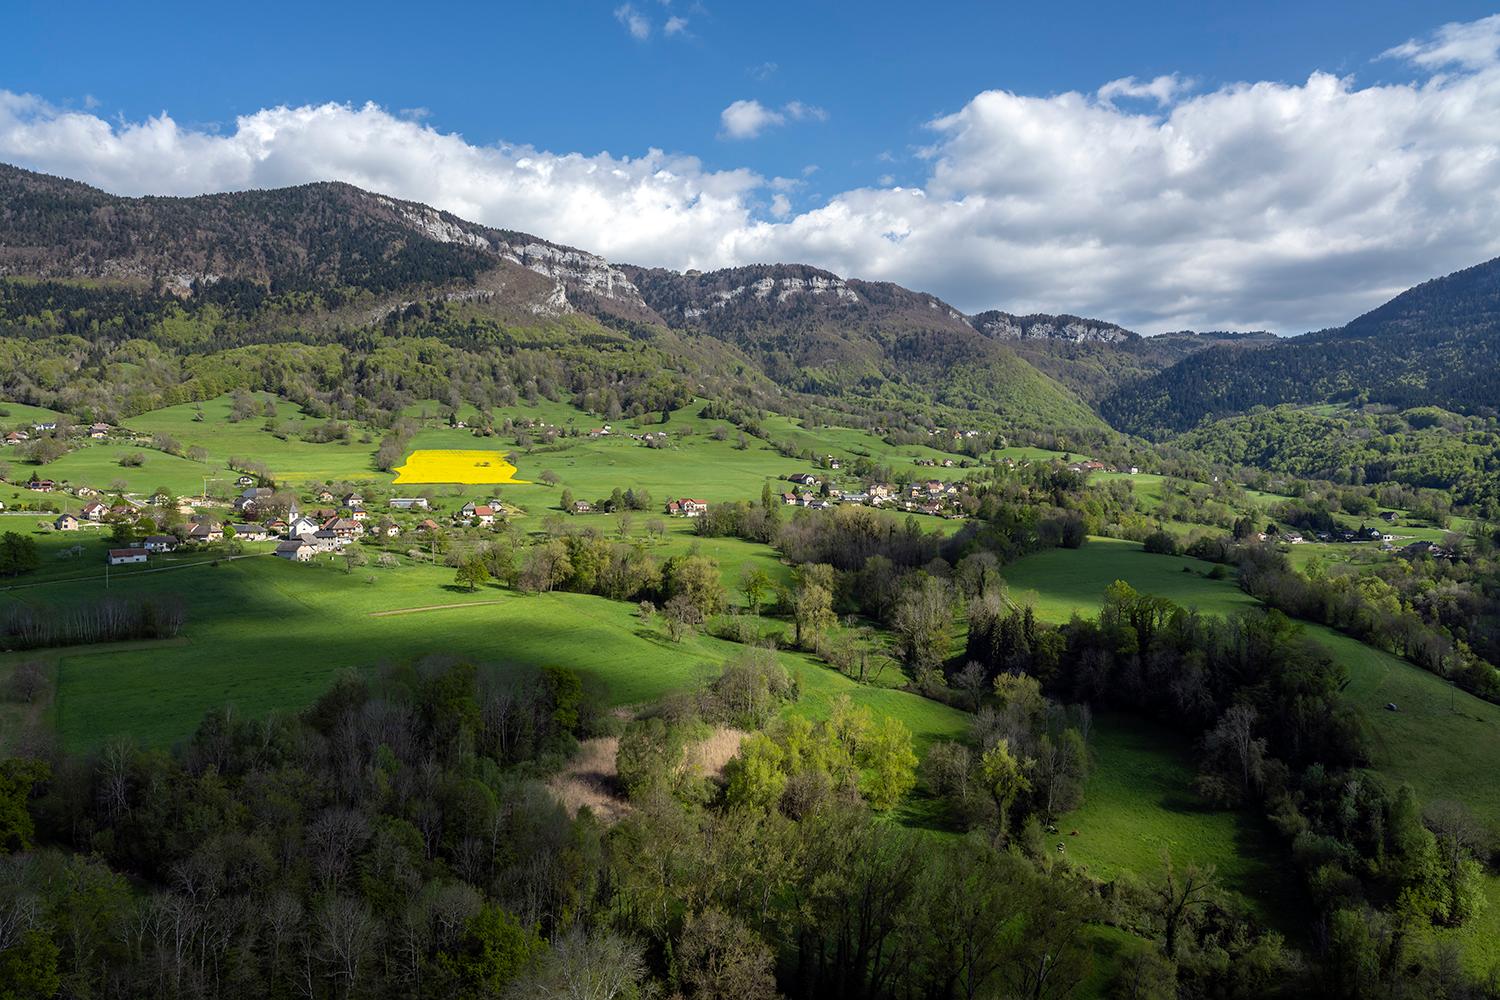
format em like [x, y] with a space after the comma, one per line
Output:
[1289, 206]
[675, 25]
[748, 119]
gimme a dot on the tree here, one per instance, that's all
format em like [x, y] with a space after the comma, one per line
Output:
[1177, 895]
[28, 968]
[680, 615]
[755, 584]
[885, 752]
[923, 622]
[971, 681]
[471, 574]
[547, 477]
[1004, 778]
[812, 609]
[18, 554]
[18, 775]
[720, 958]
[493, 951]
[587, 965]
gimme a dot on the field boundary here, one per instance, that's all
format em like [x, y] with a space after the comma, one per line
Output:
[434, 607]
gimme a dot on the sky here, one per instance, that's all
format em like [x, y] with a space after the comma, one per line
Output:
[1277, 165]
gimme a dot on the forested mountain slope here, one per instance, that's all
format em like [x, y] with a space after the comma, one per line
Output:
[1436, 344]
[330, 263]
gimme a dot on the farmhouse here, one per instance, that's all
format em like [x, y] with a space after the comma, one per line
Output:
[295, 549]
[484, 514]
[687, 507]
[353, 500]
[99, 430]
[428, 524]
[205, 531]
[17, 437]
[803, 479]
[65, 522]
[123, 512]
[408, 503]
[343, 528]
[120, 557]
[41, 485]
[323, 496]
[581, 507]
[250, 532]
[326, 540]
[94, 511]
[358, 513]
[159, 543]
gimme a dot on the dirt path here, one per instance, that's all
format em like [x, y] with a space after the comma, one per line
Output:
[432, 607]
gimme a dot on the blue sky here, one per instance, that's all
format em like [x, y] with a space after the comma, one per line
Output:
[845, 100]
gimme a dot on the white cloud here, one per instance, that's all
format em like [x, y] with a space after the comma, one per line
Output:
[748, 119]
[1161, 90]
[634, 21]
[1472, 45]
[1290, 206]
[764, 71]
[675, 25]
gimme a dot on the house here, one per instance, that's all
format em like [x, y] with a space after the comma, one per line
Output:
[391, 530]
[581, 507]
[48, 425]
[84, 492]
[467, 510]
[65, 522]
[429, 525]
[1389, 516]
[295, 549]
[300, 524]
[879, 491]
[41, 485]
[247, 501]
[205, 531]
[159, 543]
[99, 430]
[244, 481]
[408, 503]
[789, 498]
[275, 527]
[343, 527]
[2, 505]
[1293, 537]
[353, 500]
[324, 496]
[94, 511]
[251, 532]
[687, 507]
[326, 540]
[359, 513]
[803, 479]
[484, 514]
[123, 512]
[17, 437]
[834, 463]
[121, 557]
[1424, 548]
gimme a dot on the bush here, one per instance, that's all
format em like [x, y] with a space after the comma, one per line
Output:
[1162, 543]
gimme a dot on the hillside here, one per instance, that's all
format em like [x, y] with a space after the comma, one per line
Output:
[322, 262]
[1437, 344]
[819, 333]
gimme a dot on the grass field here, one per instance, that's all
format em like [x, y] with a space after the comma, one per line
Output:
[1062, 582]
[23, 415]
[295, 626]
[1139, 803]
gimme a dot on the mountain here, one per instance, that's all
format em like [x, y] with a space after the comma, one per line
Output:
[819, 333]
[1436, 344]
[324, 261]
[1093, 357]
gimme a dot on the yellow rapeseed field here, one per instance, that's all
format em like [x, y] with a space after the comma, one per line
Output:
[446, 465]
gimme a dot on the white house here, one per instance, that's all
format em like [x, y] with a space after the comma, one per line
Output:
[120, 557]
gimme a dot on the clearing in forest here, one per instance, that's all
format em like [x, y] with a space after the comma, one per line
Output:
[442, 465]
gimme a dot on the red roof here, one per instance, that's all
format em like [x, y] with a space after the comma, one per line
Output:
[126, 553]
